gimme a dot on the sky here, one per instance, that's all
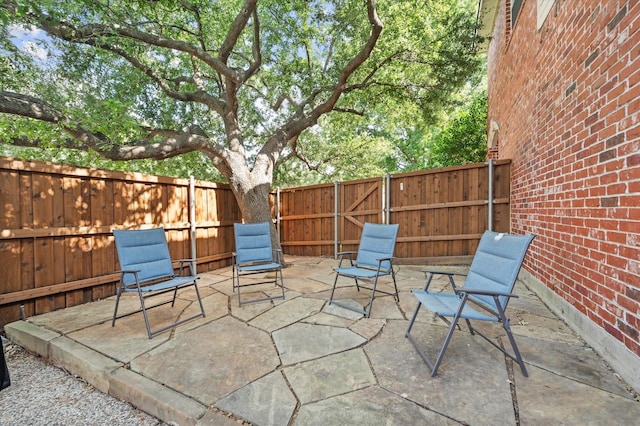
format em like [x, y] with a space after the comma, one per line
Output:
[29, 40]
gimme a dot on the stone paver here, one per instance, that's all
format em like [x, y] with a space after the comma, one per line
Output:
[287, 313]
[81, 316]
[215, 306]
[372, 407]
[545, 396]
[343, 312]
[82, 361]
[305, 285]
[211, 361]
[216, 418]
[323, 318]
[472, 367]
[270, 401]
[385, 307]
[323, 277]
[125, 341]
[30, 336]
[249, 311]
[585, 365]
[329, 376]
[303, 342]
[368, 327]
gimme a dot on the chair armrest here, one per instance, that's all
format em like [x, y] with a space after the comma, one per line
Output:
[191, 262]
[128, 271]
[485, 292]
[342, 254]
[385, 259]
[436, 272]
[449, 274]
[123, 272]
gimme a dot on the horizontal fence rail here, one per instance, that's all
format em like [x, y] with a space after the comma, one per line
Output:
[56, 240]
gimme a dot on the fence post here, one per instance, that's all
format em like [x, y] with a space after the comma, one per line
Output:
[490, 196]
[192, 220]
[336, 218]
[278, 216]
[386, 197]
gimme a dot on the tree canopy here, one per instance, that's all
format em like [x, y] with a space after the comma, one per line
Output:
[246, 84]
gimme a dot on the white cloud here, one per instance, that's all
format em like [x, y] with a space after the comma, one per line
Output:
[26, 38]
[21, 31]
[34, 50]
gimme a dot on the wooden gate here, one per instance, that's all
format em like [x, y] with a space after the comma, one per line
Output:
[319, 220]
[360, 202]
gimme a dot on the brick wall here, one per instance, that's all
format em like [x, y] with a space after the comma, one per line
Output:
[567, 100]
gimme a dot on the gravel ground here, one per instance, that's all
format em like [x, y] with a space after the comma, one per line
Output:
[41, 394]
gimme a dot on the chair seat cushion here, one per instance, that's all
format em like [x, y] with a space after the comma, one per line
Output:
[162, 285]
[259, 267]
[447, 304]
[355, 272]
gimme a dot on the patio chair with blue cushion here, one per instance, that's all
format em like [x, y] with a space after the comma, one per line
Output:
[255, 255]
[483, 297]
[374, 259]
[147, 269]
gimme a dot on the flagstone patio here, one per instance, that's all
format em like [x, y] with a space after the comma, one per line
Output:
[300, 361]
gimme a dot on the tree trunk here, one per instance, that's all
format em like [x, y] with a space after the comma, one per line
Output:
[253, 200]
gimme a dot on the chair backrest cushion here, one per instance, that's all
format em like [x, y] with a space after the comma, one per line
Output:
[253, 242]
[377, 242]
[496, 264]
[145, 250]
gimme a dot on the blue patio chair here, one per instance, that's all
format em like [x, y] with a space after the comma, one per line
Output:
[147, 269]
[484, 295]
[255, 255]
[374, 259]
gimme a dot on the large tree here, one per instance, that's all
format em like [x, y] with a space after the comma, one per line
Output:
[240, 81]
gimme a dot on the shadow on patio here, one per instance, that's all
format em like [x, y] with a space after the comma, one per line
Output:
[301, 361]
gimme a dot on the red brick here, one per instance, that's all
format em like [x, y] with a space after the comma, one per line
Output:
[609, 85]
[633, 160]
[634, 76]
[615, 189]
[633, 133]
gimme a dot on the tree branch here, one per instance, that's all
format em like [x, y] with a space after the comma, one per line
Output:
[311, 118]
[90, 33]
[239, 24]
[174, 142]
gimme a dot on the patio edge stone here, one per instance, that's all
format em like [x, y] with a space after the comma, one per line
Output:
[31, 337]
[92, 366]
[153, 398]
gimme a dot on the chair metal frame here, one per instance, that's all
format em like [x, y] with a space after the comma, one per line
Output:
[374, 259]
[147, 269]
[254, 254]
[487, 291]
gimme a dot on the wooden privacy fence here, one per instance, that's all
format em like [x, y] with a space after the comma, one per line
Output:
[442, 212]
[56, 242]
